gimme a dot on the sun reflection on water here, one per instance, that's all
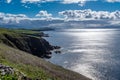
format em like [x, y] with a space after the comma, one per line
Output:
[88, 52]
[90, 43]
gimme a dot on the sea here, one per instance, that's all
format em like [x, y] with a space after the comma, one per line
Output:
[94, 53]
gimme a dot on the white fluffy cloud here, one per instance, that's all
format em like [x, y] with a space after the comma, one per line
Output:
[11, 18]
[44, 14]
[88, 14]
[80, 2]
[68, 19]
[68, 15]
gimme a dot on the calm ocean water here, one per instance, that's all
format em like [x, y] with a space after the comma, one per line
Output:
[94, 53]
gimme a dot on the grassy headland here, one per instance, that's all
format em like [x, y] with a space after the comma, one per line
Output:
[17, 50]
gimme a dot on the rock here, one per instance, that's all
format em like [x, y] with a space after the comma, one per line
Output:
[56, 47]
[57, 51]
[5, 70]
[35, 45]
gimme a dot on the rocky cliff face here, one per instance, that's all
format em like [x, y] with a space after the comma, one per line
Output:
[33, 44]
[39, 46]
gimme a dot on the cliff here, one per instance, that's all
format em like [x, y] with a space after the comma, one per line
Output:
[30, 43]
[16, 51]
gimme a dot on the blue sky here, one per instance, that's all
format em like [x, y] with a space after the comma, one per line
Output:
[32, 8]
[59, 13]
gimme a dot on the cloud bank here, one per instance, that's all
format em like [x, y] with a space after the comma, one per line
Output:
[66, 19]
[68, 15]
[80, 2]
[11, 18]
[88, 14]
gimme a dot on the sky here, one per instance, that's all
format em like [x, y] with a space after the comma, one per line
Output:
[14, 11]
[32, 7]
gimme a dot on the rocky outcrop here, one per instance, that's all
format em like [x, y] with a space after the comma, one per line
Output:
[7, 72]
[39, 46]
[35, 45]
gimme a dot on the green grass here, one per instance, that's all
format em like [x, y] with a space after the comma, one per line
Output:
[8, 77]
[35, 67]
[24, 62]
[25, 31]
[12, 33]
[18, 32]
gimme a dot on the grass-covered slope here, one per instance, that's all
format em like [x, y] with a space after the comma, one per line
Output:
[35, 67]
[32, 66]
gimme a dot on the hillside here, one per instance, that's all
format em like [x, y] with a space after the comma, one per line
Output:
[33, 67]
[26, 40]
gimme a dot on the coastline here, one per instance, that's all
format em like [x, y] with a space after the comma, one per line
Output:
[19, 46]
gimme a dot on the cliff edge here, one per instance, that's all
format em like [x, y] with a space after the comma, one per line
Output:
[22, 53]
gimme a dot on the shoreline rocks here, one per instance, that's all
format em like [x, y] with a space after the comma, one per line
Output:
[35, 45]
